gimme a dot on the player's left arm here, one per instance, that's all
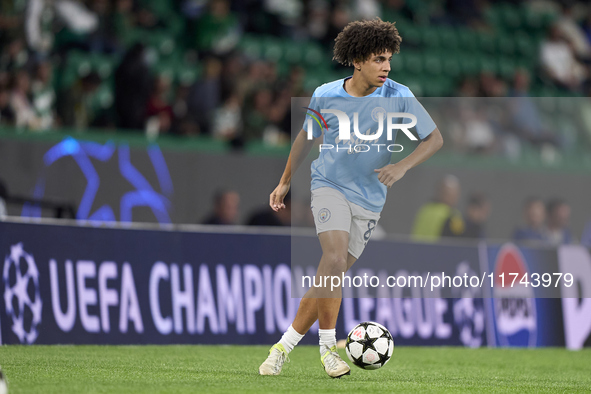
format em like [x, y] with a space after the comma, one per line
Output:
[428, 146]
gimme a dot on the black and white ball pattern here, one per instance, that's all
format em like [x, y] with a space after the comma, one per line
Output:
[369, 345]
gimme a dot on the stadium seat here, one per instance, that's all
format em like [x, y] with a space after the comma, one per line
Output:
[448, 38]
[413, 62]
[432, 63]
[251, 46]
[314, 55]
[272, 50]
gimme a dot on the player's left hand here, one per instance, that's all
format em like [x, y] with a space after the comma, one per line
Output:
[390, 174]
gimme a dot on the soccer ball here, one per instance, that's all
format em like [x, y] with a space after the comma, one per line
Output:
[369, 345]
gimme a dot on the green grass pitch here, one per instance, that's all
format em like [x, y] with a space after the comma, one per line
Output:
[233, 369]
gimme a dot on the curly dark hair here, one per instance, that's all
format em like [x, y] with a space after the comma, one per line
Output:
[361, 39]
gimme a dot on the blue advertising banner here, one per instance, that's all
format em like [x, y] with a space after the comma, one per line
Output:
[87, 285]
[522, 312]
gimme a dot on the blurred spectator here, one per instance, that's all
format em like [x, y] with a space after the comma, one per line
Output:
[573, 32]
[133, 84]
[103, 39]
[123, 20]
[226, 205]
[146, 18]
[228, 119]
[204, 96]
[395, 10]
[365, 9]
[491, 86]
[7, 115]
[14, 56]
[477, 214]
[479, 136]
[318, 20]
[469, 88]
[256, 114]
[430, 219]
[558, 217]
[183, 123]
[534, 214]
[526, 121]
[467, 12]
[73, 14]
[21, 103]
[217, 31]
[76, 103]
[44, 99]
[559, 61]
[340, 17]
[267, 217]
[158, 106]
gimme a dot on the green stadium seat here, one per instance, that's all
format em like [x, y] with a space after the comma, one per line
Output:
[430, 37]
[272, 50]
[432, 64]
[526, 45]
[397, 64]
[511, 17]
[314, 55]
[486, 43]
[505, 66]
[251, 46]
[413, 62]
[469, 63]
[162, 41]
[451, 66]
[104, 65]
[505, 43]
[467, 39]
[292, 53]
[166, 69]
[412, 35]
[186, 75]
[448, 38]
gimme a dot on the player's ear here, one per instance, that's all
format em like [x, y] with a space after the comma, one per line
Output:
[357, 64]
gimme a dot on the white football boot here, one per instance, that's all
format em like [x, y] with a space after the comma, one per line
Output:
[333, 364]
[274, 362]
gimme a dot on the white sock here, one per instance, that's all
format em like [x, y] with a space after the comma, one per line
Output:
[290, 339]
[328, 338]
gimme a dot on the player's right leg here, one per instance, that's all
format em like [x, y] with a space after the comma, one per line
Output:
[332, 216]
[306, 316]
[334, 263]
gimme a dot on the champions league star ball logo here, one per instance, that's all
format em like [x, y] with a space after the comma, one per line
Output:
[468, 310]
[21, 293]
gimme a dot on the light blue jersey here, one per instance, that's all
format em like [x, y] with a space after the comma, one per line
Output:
[349, 165]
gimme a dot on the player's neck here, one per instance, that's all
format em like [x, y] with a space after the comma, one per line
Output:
[357, 86]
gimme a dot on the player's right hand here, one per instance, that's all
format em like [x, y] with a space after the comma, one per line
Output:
[276, 198]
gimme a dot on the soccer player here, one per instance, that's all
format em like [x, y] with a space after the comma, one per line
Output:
[348, 185]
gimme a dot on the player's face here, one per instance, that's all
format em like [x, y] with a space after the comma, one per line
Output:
[375, 69]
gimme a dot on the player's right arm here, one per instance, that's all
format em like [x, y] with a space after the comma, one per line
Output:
[299, 151]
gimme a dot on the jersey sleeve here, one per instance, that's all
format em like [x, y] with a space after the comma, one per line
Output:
[313, 116]
[425, 124]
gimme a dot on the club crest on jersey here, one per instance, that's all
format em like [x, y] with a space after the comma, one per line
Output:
[323, 215]
[378, 113]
